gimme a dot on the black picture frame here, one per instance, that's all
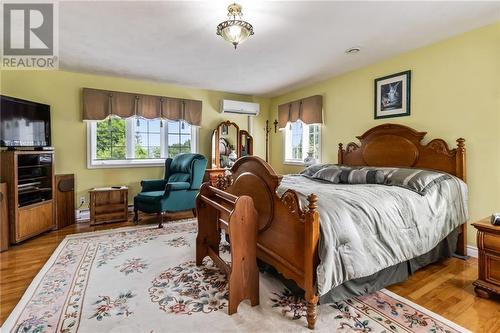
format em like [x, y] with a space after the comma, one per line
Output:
[392, 95]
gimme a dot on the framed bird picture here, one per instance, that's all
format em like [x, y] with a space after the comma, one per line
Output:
[392, 95]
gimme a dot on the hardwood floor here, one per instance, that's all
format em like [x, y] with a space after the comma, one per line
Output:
[445, 288]
[20, 264]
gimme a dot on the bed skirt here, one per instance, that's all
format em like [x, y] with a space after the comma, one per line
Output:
[386, 277]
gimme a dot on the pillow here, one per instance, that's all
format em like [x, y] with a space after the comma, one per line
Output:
[385, 170]
[340, 174]
[330, 173]
[362, 176]
[311, 170]
[417, 180]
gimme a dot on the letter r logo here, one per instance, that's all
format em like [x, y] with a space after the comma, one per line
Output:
[28, 29]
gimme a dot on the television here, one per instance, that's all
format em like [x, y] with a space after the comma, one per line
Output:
[24, 123]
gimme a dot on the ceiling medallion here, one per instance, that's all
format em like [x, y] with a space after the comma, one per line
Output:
[235, 31]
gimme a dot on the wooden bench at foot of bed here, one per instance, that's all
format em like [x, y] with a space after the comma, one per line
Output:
[218, 210]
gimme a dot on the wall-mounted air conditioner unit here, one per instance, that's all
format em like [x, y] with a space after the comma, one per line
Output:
[245, 108]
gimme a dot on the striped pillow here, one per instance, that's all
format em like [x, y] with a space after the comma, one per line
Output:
[330, 173]
[311, 170]
[417, 180]
[340, 174]
[362, 176]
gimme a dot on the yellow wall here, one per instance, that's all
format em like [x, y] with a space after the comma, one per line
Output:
[62, 90]
[455, 93]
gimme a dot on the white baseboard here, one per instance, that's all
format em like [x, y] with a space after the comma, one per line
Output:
[83, 215]
[472, 251]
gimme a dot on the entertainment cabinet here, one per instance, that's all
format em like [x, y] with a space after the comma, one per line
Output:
[30, 179]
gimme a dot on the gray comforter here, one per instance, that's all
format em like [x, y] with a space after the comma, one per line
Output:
[366, 228]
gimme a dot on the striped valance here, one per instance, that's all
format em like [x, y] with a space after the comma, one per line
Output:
[99, 104]
[309, 110]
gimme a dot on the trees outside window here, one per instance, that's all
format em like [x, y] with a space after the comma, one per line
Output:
[138, 141]
[301, 139]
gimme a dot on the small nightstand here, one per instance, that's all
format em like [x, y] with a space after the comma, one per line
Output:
[488, 244]
[108, 204]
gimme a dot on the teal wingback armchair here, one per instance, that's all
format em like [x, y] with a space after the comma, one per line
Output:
[176, 191]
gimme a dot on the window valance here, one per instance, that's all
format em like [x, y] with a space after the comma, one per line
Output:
[309, 110]
[100, 104]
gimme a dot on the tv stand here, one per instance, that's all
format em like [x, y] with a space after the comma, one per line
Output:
[48, 148]
[44, 148]
[30, 180]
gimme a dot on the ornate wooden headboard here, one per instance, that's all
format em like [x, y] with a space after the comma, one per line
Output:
[400, 146]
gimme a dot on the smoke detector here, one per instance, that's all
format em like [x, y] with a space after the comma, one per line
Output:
[353, 50]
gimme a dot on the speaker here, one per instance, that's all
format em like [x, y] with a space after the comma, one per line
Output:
[65, 200]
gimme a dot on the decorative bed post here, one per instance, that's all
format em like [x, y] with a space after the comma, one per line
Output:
[311, 222]
[340, 154]
[461, 168]
[461, 172]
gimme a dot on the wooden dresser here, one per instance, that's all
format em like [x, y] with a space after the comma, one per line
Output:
[211, 175]
[488, 244]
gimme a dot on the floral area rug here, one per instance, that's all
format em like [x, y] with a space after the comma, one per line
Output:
[144, 279]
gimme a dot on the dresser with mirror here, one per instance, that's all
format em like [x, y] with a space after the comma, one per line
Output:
[228, 144]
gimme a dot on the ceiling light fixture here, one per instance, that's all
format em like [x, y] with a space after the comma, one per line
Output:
[353, 50]
[235, 31]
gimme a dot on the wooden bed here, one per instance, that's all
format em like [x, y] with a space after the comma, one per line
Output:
[288, 234]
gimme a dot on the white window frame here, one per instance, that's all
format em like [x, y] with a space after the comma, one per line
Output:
[305, 136]
[93, 163]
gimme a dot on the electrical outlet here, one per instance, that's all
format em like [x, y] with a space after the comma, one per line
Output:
[82, 200]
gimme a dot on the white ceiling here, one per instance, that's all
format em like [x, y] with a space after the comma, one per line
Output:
[295, 42]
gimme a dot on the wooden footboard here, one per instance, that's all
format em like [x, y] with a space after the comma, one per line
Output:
[288, 233]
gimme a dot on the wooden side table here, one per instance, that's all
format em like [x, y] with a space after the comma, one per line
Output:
[108, 204]
[488, 244]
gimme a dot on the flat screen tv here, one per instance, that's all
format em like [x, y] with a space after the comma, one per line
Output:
[24, 123]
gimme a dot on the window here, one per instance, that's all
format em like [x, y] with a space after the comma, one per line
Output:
[111, 140]
[137, 141]
[147, 139]
[179, 138]
[300, 141]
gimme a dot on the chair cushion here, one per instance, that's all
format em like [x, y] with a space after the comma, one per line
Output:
[177, 186]
[150, 196]
[149, 185]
